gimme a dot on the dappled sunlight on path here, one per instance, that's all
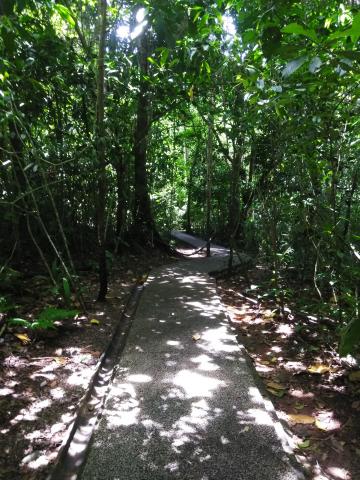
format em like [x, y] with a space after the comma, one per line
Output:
[184, 403]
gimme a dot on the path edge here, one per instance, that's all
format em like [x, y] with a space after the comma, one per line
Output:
[88, 414]
[279, 424]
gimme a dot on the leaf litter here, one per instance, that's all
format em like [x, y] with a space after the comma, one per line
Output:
[43, 377]
[311, 388]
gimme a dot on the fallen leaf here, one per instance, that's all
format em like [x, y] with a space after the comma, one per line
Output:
[356, 405]
[269, 313]
[60, 360]
[93, 321]
[320, 425]
[275, 386]
[196, 337]
[277, 393]
[354, 376]
[94, 353]
[245, 429]
[319, 368]
[23, 337]
[302, 419]
[299, 406]
[304, 444]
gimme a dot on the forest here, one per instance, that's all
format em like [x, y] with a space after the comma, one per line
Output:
[233, 120]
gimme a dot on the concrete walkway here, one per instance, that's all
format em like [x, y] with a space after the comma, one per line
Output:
[184, 403]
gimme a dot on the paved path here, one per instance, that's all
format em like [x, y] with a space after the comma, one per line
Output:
[184, 403]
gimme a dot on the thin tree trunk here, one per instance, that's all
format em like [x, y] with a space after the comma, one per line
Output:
[100, 152]
[234, 218]
[121, 199]
[209, 161]
[189, 190]
[348, 203]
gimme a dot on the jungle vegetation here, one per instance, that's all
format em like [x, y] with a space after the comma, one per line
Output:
[232, 119]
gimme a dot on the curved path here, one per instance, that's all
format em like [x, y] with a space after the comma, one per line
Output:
[184, 403]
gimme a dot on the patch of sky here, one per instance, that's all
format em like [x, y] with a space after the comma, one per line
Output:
[124, 32]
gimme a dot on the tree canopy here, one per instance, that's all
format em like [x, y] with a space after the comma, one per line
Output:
[121, 121]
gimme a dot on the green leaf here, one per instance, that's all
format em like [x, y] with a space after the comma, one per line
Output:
[205, 65]
[355, 29]
[297, 29]
[315, 64]
[65, 14]
[154, 62]
[19, 321]
[292, 66]
[55, 314]
[350, 337]
[304, 444]
[164, 56]
[350, 54]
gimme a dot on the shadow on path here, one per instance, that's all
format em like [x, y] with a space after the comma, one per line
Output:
[184, 404]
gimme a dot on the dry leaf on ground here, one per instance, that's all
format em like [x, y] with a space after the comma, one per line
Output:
[319, 368]
[61, 360]
[320, 425]
[302, 419]
[275, 385]
[23, 337]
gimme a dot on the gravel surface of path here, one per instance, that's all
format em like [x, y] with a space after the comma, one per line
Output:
[184, 402]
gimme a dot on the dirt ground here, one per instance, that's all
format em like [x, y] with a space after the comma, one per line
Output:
[315, 393]
[42, 382]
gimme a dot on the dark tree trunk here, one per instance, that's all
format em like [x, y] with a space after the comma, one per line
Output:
[100, 151]
[209, 158]
[19, 225]
[143, 230]
[120, 169]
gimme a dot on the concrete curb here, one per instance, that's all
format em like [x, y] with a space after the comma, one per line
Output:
[73, 452]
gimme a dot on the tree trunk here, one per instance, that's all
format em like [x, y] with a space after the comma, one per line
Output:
[143, 221]
[189, 191]
[121, 199]
[234, 207]
[209, 159]
[144, 230]
[100, 152]
[348, 204]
